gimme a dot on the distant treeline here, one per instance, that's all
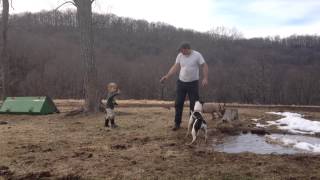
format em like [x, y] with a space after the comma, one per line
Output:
[45, 60]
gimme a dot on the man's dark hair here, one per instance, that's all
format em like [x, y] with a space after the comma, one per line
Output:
[184, 45]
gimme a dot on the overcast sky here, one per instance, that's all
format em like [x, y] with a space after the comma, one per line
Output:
[253, 18]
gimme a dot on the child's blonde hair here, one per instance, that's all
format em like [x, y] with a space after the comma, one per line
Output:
[112, 87]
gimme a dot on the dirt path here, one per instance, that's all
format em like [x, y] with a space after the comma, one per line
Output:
[79, 147]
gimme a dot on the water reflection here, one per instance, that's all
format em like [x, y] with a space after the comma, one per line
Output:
[257, 144]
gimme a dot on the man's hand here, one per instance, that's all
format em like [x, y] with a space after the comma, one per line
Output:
[164, 78]
[205, 70]
[174, 68]
[204, 82]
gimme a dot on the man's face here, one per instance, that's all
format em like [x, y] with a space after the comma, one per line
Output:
[185, 52]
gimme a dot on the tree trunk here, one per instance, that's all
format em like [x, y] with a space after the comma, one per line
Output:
[84, 16]
[4, 54]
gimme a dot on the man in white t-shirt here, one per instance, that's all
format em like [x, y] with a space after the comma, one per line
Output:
[188, 62]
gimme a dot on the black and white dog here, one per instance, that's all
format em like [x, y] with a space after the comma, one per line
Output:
[197, 122]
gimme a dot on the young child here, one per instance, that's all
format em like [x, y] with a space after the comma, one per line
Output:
[113, 91]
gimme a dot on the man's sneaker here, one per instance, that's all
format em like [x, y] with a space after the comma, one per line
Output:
[175, 128]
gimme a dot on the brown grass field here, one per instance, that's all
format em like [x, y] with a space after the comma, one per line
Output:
[143, 147]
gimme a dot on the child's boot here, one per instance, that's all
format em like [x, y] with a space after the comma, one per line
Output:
[113, 125]
[106, 122]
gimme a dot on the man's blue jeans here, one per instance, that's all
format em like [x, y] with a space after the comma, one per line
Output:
[185, 88]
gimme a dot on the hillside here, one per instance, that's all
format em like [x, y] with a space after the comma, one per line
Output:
[44, 60]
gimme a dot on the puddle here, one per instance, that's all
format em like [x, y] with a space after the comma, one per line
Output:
[257, 144]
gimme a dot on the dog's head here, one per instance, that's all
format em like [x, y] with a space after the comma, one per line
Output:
[198, 106]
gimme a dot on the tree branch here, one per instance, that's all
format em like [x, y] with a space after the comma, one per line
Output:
[71, 2]
[11, 5]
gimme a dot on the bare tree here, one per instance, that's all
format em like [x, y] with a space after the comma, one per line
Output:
[4, 52]
[84, 17]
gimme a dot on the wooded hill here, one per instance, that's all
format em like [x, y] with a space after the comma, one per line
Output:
[44, 60]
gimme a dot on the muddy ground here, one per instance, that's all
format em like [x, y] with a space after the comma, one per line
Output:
[143, 147]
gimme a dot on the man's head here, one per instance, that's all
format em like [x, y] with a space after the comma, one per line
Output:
[185, 48]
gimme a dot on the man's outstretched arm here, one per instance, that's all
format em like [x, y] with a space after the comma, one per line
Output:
[172, 71]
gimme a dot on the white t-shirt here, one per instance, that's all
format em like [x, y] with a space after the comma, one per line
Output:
[189, 66]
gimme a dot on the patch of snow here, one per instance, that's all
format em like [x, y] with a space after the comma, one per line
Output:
[294, 123]
[305, 146]
[255, 119]
[261, 125]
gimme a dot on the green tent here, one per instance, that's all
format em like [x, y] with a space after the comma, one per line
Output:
[28, 105]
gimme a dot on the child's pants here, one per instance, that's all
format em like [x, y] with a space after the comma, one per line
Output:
[110, 114]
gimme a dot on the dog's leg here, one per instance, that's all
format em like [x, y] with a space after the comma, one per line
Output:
[205, 129]
[194, 137]
[189, 124]
[194, 133]
[213, 116]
